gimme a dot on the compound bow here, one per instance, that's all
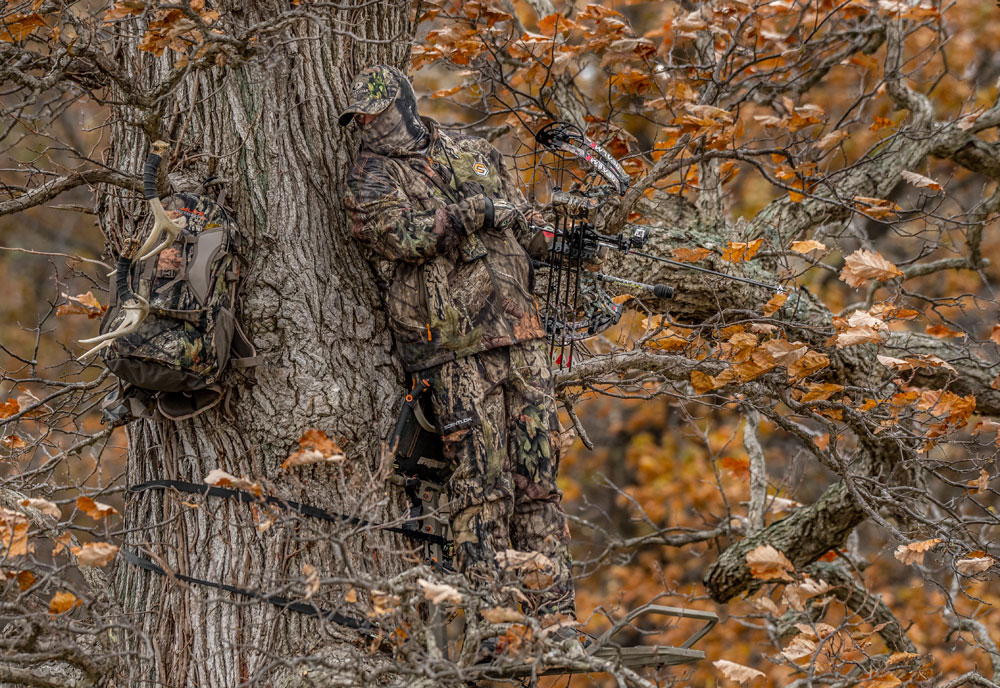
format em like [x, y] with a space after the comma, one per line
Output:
[576, 307]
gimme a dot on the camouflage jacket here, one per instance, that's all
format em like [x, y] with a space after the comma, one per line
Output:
[450, 288]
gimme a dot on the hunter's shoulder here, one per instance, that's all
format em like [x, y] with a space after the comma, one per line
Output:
[369, 169]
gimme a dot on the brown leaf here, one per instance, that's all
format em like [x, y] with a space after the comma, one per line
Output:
[62, 542]
[25, 579]
[82, 304]
[314, 447]
[797, 595]
[921, 181]
[737, 672]
[807, 246]
[383, 603]
[974, 565]
[738, 466]
[351, 596]
[784, 353]
[96, 510]
[831, 140]
[994, 335]
[514, 640]
[63, 602]
[43, 505]
[864, 265]
[799, 648]
[219, 477]
[13, 534]
[857, 335]
[808, 364]
[914, 552]
[13, 442]
[820, 391]
[11, 407]
[702, 382]
[887, 681]
[127, 8]
[900, 657]
[94, 553]
[689, 255]
[502, 615]
[942, 331]
[767, 563]
[775, 303]
[17, 27]
[440, 592]
[737, 252]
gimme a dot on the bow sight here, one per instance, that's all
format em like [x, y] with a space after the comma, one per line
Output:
[576, 308]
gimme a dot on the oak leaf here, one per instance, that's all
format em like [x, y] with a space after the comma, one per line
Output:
[737, 672]
[830, 140]
[439, 592]
[974, 565]
[921, 181]
[25, 579]
[799, 647]
[857, 335]
[45, 506]
[808, 364]
[314, 447]
[775, 303]
[702, 382]
[864, 265]
[63, 602]
[502, 615]
[96, 510]
[220, 478]
[383, 603]
[784, 353]
[797, 595]
[914, 552]
[13, 442]
[943, 332]
[11, 407]
[16, 27]
[691, 255]
[738, 252]
[820, 391]
[13, 534]
[808, 246]
[767, 563]
[94, 553]
[887, 681]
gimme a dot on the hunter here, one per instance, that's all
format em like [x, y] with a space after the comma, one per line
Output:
[444, 225]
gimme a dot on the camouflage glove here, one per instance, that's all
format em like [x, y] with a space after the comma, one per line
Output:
[501, 215]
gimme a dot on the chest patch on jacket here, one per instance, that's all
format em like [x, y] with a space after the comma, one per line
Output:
[480, 168]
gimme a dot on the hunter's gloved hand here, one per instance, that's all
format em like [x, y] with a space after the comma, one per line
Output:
[501, 215]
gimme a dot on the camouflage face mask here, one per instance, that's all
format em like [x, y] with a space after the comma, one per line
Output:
[398, 129]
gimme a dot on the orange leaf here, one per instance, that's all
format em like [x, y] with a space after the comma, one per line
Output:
[831, 140]
[737, 252]
[702, 382]
[17, 27]
[128, 8]
[943, 331]
[43, 505]
[63, 602]
[804, 247]
[808, 364]
[13, 533]
[820, 392]
[25, 579]
[13, 442]
[863, 265]
[692, 255]
[10, 407]
[775, 303]
[738, 466]
[314, 447]
[96, 510]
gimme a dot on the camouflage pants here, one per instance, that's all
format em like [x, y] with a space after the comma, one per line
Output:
[498, 419]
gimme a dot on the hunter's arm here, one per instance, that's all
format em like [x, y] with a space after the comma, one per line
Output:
[382, 217]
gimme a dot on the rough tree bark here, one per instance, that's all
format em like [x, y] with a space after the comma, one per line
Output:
[269, 127]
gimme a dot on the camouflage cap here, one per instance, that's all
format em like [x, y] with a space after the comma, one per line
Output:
[373, 90]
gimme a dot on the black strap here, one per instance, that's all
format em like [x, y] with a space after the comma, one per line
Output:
[277, 600]
[304, 509]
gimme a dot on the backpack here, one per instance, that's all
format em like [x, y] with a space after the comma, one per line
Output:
[190, 336]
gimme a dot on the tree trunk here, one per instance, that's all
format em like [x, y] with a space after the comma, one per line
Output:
[268, 125]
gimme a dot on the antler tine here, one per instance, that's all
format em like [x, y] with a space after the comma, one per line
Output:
[160, 220]
[135, 310]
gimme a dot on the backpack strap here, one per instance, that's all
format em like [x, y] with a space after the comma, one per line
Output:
[244, 352]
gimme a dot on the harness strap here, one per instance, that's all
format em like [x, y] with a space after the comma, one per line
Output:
[304, 509]
[277, 600]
